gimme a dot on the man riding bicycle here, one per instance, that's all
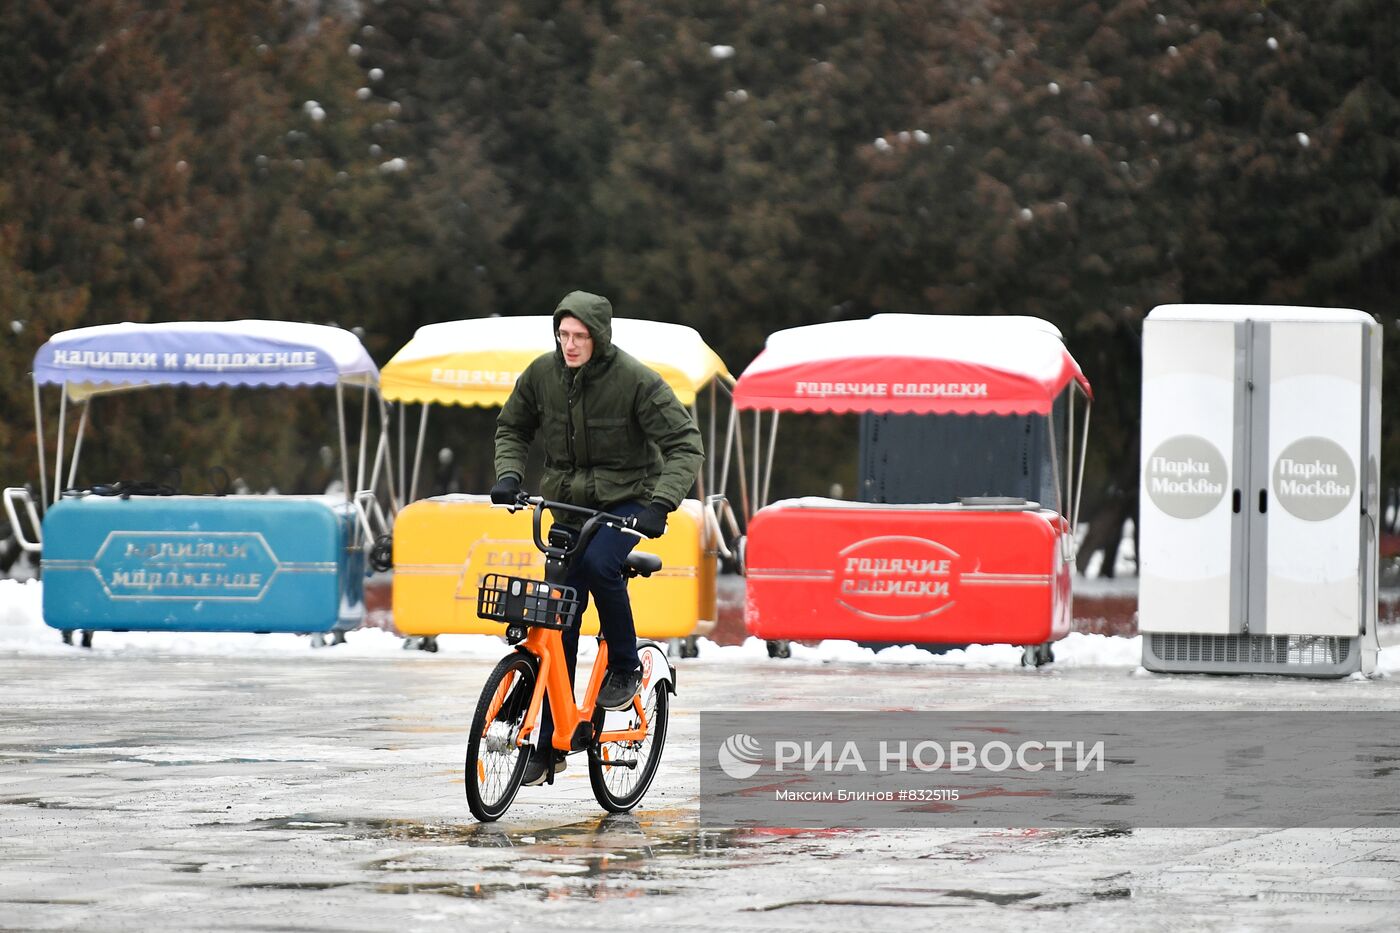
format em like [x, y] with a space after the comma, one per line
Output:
[615, 438]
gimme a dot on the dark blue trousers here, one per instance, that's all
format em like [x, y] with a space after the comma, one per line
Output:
[598, 571]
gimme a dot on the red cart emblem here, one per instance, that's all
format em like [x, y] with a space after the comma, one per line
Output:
[897, 578]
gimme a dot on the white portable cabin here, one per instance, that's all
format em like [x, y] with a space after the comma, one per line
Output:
[1260, 474]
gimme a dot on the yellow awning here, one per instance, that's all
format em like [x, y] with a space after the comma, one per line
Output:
[476, 362]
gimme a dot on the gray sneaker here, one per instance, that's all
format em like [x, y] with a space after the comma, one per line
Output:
[619, 689]
[536, 771]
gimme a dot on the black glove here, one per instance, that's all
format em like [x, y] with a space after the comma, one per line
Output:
[506, 490]
[651, 521]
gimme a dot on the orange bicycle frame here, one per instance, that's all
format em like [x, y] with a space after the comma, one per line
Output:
[547, 644]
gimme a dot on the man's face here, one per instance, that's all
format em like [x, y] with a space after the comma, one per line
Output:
[576, 342]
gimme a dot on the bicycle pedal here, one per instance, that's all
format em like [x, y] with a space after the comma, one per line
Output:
[618, 763]
[596, 754]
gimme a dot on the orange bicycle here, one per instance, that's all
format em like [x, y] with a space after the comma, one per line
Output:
[624, 746]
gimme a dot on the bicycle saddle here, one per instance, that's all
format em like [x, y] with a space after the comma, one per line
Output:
[643, 564]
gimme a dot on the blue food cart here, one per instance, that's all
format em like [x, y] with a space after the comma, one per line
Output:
[156, 561]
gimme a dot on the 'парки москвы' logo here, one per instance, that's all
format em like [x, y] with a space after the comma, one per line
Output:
[1186, 476]
[1314, 478]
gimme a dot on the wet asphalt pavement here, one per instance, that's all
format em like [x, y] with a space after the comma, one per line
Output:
[149, 792]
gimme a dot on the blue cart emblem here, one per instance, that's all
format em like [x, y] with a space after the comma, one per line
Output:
[185, 565]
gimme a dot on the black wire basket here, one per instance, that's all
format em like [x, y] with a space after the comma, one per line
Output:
[521, 601]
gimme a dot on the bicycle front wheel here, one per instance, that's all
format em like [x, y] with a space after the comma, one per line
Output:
[495, 760]
[622, 771]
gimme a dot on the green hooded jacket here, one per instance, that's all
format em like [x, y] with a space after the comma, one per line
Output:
[612, 429]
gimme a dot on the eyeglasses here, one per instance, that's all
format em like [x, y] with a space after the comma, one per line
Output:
[568, 337]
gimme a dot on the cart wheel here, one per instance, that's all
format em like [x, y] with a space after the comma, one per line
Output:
[780, 648]
[690, 647]
[318, 640]
[338, 638]
[428, 643]
[67, 636]
[1037, 655]
[87, 638]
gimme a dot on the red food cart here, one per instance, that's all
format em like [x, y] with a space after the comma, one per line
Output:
[967, 568]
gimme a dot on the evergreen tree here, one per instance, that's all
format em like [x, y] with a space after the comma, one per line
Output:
[736, 165]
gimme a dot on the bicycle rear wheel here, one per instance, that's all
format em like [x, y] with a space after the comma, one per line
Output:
[495, 762]
[621, 772]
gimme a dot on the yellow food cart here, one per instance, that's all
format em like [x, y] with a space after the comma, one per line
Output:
[444, 545]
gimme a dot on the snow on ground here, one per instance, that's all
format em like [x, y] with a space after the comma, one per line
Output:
[22, 630]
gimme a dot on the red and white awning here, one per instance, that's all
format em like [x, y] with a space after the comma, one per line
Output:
[912, 364]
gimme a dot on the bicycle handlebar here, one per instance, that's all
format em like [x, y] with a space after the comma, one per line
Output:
[596, 518]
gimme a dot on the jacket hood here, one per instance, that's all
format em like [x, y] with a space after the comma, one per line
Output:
[595, 312]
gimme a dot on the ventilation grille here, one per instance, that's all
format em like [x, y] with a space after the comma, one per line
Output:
[1252, 649]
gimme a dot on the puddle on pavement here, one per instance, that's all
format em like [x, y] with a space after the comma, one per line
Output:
[614, 847]
[603, 857]
[453, 889]
[43, 803]
[541, 890]
[1001, 899]
[1066, 834]
[654, 834]
[90, 756]
[402, 830]
[1100, 832]
[663, 834]
[943, 898]
[990, 897]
